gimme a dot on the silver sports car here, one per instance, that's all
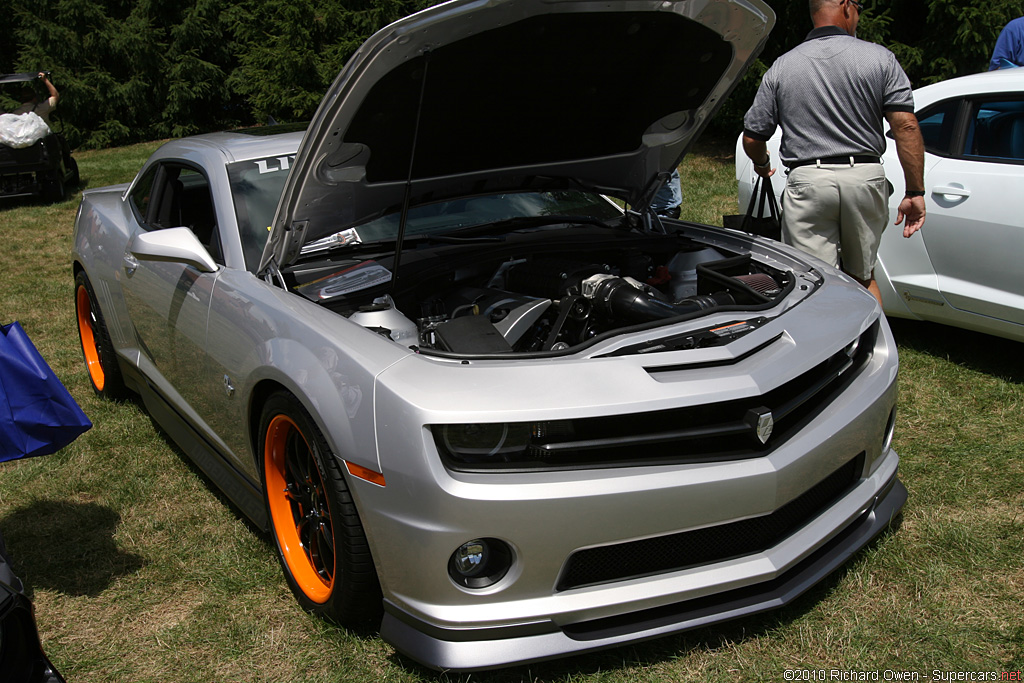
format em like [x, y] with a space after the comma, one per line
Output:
[474, 401]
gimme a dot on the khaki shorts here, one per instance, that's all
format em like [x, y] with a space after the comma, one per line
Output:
[837, 213]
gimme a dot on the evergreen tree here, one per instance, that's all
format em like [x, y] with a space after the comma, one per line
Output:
[128, 71]
[132, 70]
[289, 51]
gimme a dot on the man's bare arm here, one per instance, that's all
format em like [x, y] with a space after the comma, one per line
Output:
[910, 149]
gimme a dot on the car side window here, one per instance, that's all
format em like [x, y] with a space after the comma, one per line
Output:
[142, 194]
[995, 131]
[938, 123]
[178, 195]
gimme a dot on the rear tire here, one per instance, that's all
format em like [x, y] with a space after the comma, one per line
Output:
[100, 360]
[319, 539]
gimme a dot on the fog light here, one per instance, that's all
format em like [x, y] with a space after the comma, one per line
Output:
[480, 563]
[471, 558]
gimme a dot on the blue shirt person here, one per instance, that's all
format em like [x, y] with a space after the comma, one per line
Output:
[1009, 50]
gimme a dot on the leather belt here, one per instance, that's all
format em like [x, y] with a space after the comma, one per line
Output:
[848, 160]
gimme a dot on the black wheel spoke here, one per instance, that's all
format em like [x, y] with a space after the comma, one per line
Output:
[322, 551]
[302, 526]
[296, 458]
[327, 535]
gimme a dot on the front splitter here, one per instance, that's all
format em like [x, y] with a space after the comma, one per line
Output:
[473, 650]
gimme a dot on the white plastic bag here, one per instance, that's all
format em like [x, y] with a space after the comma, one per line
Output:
[22, 130]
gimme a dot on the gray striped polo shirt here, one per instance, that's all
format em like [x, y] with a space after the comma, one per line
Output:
[829, 94]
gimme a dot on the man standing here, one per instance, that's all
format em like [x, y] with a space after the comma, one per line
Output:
[829, 95]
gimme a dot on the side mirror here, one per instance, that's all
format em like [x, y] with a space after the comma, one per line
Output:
[177, 245]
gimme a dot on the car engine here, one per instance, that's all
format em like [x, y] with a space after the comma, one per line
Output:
[555, 302]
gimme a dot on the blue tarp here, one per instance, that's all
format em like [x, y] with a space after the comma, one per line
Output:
[37, 414]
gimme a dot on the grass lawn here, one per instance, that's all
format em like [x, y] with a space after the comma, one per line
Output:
[140, 570]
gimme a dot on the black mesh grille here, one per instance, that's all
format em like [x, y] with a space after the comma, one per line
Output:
[712, 544]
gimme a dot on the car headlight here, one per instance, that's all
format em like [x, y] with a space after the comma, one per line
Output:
[500, 444]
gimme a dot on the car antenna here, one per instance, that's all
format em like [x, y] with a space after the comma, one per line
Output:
[404, 216]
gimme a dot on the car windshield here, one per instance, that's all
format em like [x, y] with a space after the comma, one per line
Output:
[257, 184]
[460, 214]
[256, 187]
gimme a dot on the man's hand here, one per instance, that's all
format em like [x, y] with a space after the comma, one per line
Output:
[910, 149]
[911, 208]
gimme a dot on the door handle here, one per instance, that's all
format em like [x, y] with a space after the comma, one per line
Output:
[130, 263]
[951, 193]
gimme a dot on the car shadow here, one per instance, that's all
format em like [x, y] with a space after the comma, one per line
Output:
[198, 471]
[975, 350]
[66, 546]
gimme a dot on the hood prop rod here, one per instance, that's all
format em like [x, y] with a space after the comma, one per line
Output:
[404, 216]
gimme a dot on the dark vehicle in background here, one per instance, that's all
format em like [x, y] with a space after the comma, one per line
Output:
[22, 659]
[44, 169]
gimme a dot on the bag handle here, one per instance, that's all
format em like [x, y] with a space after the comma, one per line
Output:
[765, 192]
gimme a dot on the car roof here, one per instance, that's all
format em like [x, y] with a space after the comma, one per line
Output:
[986, 83]
[238, 145]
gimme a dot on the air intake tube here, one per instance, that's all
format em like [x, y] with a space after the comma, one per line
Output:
[625, 298]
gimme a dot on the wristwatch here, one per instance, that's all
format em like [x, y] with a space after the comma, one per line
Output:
[768, 162]
[914, 193]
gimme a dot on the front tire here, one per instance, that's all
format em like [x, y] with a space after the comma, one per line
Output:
[319, 539]
[100, 361]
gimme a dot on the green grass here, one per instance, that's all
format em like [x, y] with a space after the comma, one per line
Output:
[141, 571]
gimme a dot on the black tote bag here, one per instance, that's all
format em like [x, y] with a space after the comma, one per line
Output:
[759, 224]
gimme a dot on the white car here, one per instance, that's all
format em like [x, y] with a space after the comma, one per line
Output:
[963, 268]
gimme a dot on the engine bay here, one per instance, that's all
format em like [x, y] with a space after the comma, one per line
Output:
[535, 295]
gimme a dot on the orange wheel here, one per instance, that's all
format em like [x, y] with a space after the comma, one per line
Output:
[97, 349]
[86, 327]
[299, 508]
[319, 537]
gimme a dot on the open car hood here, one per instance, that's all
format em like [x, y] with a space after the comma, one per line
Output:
[18, 78]
[484, 96]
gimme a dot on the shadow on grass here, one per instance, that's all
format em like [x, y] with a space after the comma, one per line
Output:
[66, 546]
[975, 350]
[209, 482]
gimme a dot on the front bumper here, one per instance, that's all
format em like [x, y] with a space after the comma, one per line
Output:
[451, 649]
[550, 519]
